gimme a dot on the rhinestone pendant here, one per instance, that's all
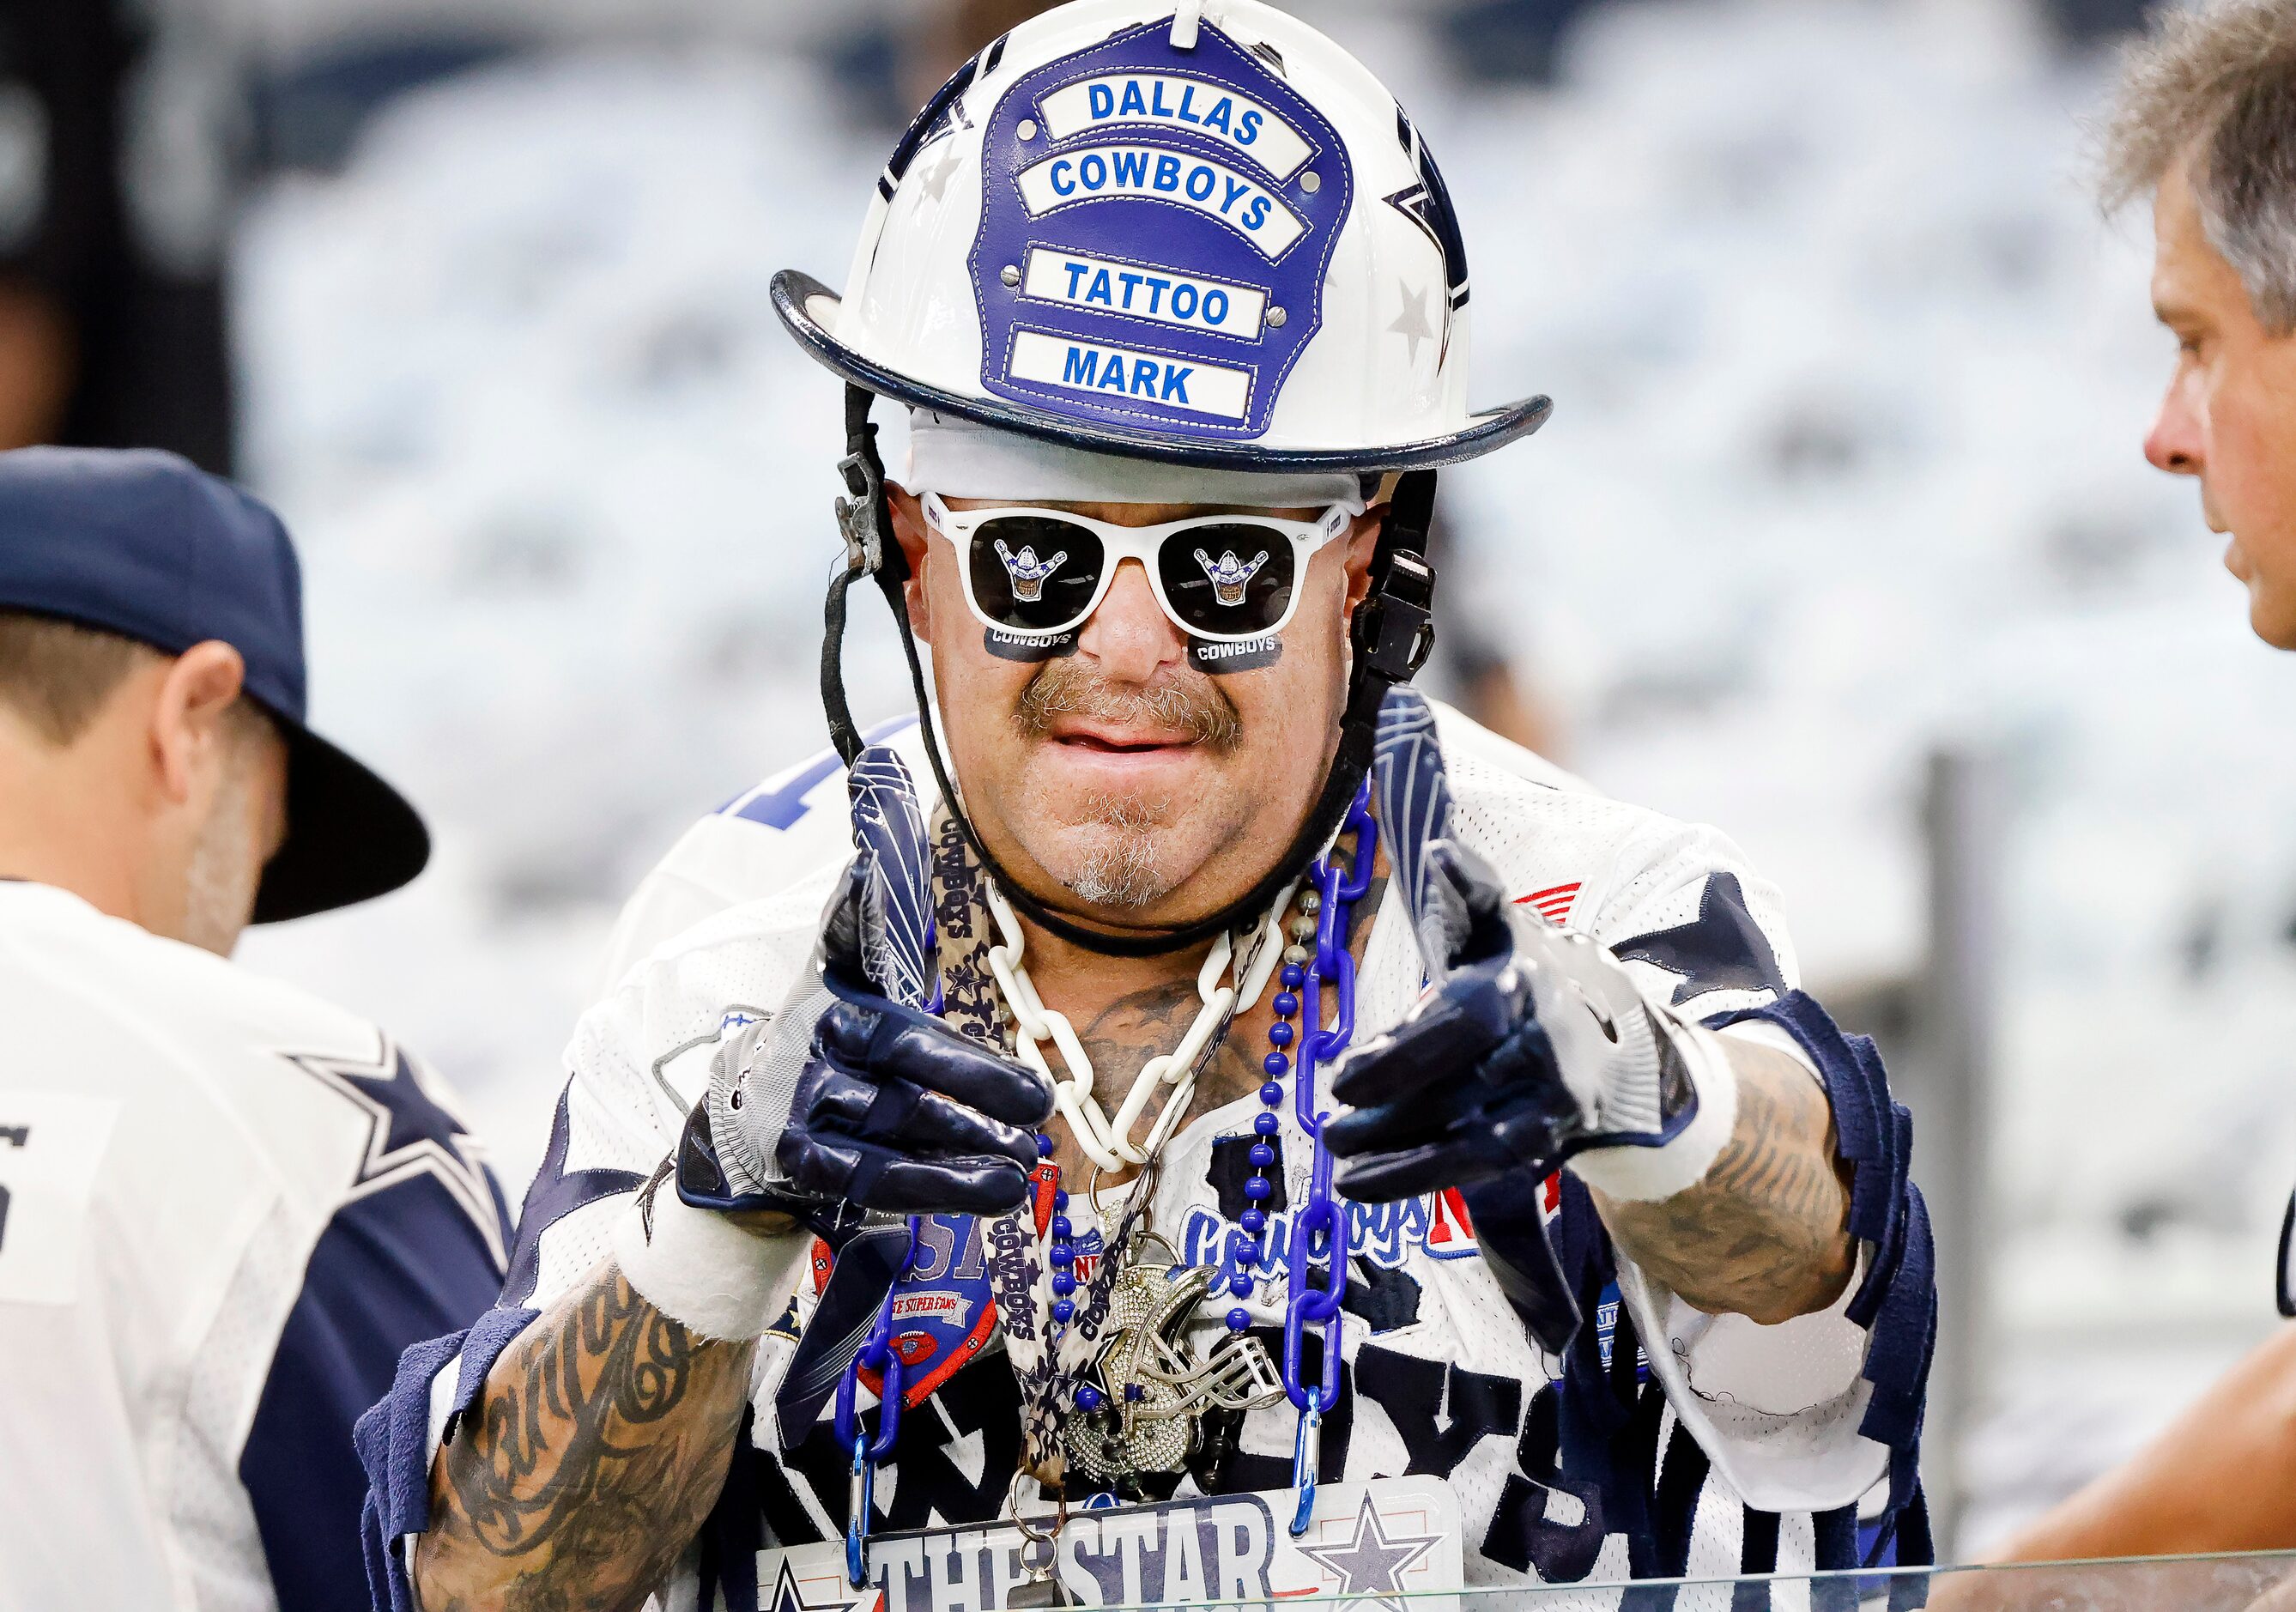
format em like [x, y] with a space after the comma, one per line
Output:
[1144, 1414]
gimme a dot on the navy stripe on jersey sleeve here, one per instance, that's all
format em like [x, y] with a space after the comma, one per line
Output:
[393, 1268]
[556, 1193]
[1719, 948]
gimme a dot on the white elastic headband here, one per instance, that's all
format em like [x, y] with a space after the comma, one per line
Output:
[959, 459]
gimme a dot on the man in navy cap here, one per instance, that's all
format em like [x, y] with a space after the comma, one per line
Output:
[225, 1207]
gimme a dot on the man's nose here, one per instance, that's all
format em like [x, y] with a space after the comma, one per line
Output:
[2173, 444]
[1129, 635]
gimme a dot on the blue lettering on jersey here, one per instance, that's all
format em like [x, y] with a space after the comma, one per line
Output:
[1385, 1234]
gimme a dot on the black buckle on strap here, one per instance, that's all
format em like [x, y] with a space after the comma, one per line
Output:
[1398, 619]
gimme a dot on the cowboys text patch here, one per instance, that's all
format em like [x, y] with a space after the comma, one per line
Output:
[1213, 189]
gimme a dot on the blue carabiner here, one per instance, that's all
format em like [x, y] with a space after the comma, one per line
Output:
[859, 1498]
[877, 1354]
[1307, 1455]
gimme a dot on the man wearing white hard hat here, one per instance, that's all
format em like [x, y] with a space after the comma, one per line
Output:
[1188, 1120]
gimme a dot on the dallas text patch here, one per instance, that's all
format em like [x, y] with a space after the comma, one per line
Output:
[1177, 101]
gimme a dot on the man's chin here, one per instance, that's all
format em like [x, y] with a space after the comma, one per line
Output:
[2272, 613]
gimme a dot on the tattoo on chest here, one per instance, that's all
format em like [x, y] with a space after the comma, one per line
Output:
[1148, 1022]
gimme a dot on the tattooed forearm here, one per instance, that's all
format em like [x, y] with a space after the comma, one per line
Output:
[1766, 1234]
[589, 1463]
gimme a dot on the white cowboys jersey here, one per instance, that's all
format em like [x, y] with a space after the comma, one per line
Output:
[226, 1207]
[1439, 1376]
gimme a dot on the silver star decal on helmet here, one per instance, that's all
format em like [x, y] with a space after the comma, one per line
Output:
[936, 176]
[1412, 323]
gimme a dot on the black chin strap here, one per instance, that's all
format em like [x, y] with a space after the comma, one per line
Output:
[1392, 632]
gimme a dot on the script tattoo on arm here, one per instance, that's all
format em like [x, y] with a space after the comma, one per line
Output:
[1766, 1233]
[589, 1463]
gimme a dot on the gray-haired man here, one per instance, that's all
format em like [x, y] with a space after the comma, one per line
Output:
[2206, 123]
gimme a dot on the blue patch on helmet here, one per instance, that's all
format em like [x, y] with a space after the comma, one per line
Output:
[1155, 228]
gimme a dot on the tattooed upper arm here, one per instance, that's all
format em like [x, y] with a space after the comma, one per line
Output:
[588, 1464]
[1766, 1233]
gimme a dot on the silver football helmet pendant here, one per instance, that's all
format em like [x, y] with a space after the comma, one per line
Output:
[1029, 577]
[1230, 577]
[1156, 1390]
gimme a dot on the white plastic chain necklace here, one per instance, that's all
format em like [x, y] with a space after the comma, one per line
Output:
[1108, 1142]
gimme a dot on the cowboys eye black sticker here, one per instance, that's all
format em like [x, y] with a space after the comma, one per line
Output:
[1016, 646]
[1250, 655]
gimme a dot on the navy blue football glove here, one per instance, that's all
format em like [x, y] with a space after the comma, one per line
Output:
[1533, 1048]
[847, 1097]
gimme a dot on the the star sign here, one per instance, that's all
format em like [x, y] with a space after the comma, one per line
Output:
[1722, 948]
[788, 1598]
[1412, 324]
[1370, 1563]
[409, 1133]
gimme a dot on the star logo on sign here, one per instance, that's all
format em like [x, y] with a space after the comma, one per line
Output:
[1412, 323]
[1370, 1562]
[409, 1132]
[788, 1598]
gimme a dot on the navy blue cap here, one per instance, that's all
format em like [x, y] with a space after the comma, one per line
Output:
[143, 544]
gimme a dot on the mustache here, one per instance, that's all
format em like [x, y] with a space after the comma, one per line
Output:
[1188, 702]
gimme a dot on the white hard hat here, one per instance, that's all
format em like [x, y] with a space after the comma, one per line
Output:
[1200, 232]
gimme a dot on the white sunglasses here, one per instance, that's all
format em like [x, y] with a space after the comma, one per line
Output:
[1039, 573]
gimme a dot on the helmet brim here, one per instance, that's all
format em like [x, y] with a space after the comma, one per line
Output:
[805, 306]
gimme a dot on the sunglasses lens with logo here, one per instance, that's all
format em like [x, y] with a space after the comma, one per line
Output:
[1034, 574]
[1227, 580]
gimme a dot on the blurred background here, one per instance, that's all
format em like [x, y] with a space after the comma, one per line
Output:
[1840, 537]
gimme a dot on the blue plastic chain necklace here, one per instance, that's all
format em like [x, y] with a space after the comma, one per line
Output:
[1319, 1229]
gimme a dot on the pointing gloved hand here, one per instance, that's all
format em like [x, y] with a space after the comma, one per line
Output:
[1535, 1047]
[846, 1096]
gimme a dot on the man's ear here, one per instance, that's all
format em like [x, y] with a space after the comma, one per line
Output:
[187, 735]
[1363, 546]
[909, 532]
